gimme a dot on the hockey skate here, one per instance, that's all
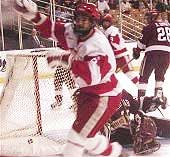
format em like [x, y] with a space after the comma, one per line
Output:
[162, 99]
[56, 106]
[164, 103]
[58, 103]
[150, 104]
[116, 151]
[146, 148]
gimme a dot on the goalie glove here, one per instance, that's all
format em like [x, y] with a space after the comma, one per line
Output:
[145, 134]
[136, 53]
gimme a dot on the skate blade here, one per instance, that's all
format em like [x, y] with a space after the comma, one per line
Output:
[149, 151]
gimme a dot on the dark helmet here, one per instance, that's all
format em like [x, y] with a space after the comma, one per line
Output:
[152, 15]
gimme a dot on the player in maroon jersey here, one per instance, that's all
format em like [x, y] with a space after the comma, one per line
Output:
[155, 41]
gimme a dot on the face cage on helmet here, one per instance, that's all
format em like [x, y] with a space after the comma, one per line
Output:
[81, 32]
[110, 23]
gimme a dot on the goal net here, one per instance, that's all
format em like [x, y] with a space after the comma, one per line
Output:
[28, 124]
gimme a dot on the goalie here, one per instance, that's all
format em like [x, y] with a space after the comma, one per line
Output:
[141, 131]
[93, 68]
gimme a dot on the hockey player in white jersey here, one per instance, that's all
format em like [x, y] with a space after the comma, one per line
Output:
[93, 67]
[120, 51]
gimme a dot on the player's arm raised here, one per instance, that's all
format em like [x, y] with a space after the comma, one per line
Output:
[29, 11]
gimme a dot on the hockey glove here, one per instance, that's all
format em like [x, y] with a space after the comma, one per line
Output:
[26, 8]
[55, 60]
[145, 135]
[136, 53]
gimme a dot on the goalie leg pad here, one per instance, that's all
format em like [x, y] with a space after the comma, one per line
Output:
[163, 127]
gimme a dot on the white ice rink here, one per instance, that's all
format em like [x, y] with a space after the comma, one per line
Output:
[165, 147]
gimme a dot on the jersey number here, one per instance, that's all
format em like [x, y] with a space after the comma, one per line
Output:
[163, 34]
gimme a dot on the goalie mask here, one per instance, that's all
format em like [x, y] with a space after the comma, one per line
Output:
[86, 17]
[151, 16]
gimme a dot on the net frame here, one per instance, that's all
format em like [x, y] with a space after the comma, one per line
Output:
[53, 142]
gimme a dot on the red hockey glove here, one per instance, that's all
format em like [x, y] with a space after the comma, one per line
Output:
[26, 8]
[56, 58]
[136, 53]
[53, 61]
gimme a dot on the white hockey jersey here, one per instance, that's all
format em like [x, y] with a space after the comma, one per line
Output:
[92, 63]
[116, 40]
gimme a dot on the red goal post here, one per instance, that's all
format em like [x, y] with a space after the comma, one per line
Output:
[28, 124]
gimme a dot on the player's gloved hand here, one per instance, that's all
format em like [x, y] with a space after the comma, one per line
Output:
[136, 53]
[26, 8]
[55, 60]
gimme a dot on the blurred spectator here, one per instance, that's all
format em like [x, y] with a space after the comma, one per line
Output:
[163, 8]
[63, 14]
[168, 14]
[134, 4]
[11, 39]
[60, 2]
[36, 42]
[102, 6]
[160, 6]
[58, 12]
[112, 4]
[164, 17]
[125, 7]
[43, 5]
[68, 3]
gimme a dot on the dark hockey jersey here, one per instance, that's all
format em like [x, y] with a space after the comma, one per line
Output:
[155, 38]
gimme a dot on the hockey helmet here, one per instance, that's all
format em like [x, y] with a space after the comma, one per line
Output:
[88, 9]
[151, 15]
[83, 11]
[107, 21]
[108, 18]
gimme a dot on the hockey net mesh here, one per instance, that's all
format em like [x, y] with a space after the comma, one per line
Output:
[29, 126]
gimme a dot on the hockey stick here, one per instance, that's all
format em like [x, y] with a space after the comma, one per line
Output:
[161, 112]
[37, 41]
[121, 68]
[126, 115]
[3, 64]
